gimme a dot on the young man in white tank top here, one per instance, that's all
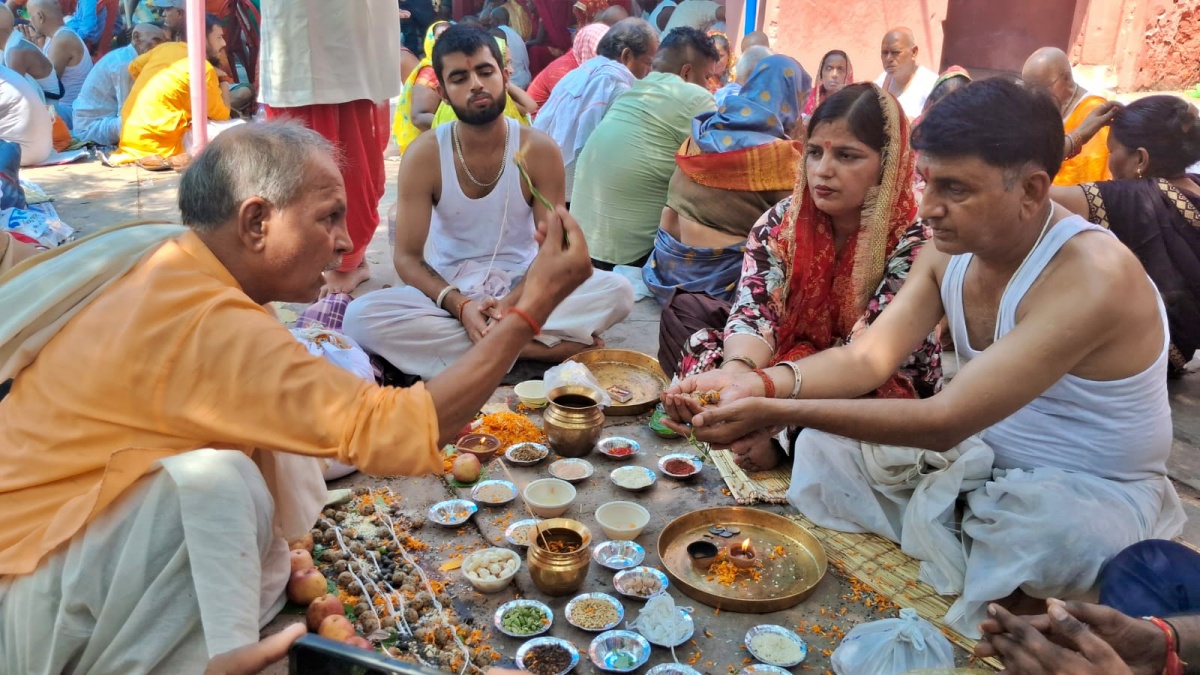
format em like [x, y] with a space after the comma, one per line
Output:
[1057, 428]
[467, 231]
[66, 50]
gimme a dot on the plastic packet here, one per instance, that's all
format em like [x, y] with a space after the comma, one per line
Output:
[893, 647]
[575, 374]
[344, 353]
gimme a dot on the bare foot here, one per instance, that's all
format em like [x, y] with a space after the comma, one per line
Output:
[564, 350]
[345, 282]
[755, 452]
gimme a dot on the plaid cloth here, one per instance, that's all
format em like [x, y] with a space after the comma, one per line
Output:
[328, 313]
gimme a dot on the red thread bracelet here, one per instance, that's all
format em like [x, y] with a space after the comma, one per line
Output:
[1174, 663]
[768, 383]
[461, 306]
[537, 330]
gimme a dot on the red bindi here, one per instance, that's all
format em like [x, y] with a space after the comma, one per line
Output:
[828, 145]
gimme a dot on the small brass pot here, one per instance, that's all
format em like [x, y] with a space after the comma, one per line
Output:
[559, 573]
[573, 421]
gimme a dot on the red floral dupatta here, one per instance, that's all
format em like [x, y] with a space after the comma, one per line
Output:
[827, 292]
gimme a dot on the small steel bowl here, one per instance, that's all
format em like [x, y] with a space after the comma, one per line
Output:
[498, 617]
[542, 450]
[778, 630]
[696, 462]
[763, 669]
[605, 447]
[630, 471]
[557, 466]
[510, 534]
[672, 669]
[625, 579]
[450, 512]
[686, 616]
[537, 642]
[619, 555]
[574, 603]
[477, 492]
[611, 648]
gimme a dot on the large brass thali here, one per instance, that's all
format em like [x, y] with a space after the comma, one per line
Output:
[635, 371]
[786, 581]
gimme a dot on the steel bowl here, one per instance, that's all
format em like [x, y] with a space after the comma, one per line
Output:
[452, 512]
[630, 471]
[686, 616]
[763, 669]
[696, 462]
[537, 642]
[498, 617]
[672, 669]
[557, 466]
[477, 492]
[619, 651]
[510, 534]
[542, 450]
[605, 597]
[626, 579]
[619, 555]
[605, 447]
[777, 630]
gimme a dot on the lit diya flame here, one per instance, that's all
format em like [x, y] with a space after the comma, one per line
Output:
[742, 556]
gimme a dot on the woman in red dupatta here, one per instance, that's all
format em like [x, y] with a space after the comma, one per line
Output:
[552, 35]
[802, 293]
[834, 73]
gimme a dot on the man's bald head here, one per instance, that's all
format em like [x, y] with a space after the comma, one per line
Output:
[755, 39]
[899, 53]
[147, 36]
[1049, 68]
[52, 8]
[612, 15]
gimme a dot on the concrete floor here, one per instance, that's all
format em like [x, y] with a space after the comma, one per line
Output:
[89, 197]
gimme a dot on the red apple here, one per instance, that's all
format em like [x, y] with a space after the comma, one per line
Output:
[359, 641]
[301, 560]
[305, 542]
[326, 605]
[336, 627]
[304, 586]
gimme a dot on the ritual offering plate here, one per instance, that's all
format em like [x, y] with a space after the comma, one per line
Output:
[572, 470]
[640, 583]
[680, 465]
[494, 492]
[619, 651]
[632, 478]
[595, 612]
[685, 618]
[526, 454]
[763, 669]
[776, 646]
[625, 374]
[452, 512]
[619, 448]
[619, 555]
[547, 656]
[672, 669]
[521, 532]
[523, 618]
[788, 561]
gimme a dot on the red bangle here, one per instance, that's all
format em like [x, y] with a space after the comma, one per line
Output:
[768, 383]
[537, 330]
[1174, 663]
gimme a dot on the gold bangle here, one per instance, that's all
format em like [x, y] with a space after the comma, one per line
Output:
[743, 359]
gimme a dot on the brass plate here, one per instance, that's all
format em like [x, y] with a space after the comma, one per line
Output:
[635, 371]
[786, 581]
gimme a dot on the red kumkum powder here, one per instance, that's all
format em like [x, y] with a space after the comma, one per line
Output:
[620, 451]
[679, 467]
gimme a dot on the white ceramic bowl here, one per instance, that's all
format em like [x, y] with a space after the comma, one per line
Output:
[622, 520]
[549, 497]
[509, 566]
[532, 393]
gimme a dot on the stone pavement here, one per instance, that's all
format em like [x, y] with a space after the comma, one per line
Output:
[89, 197]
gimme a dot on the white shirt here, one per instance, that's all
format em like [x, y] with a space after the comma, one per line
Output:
[24, 119]
[519, 55]
[652, 17]
[97, 111]
[918, 89]
[695, 13]
[311, 55]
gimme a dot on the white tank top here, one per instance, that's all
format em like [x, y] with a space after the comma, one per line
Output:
[48, 84]
[73, 77]
[477, 230]
[1120, 429]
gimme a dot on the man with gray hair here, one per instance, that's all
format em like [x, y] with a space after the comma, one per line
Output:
[148, 497]
[578, 103]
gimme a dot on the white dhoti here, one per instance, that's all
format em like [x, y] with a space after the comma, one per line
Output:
[1044, 531]
[188, 564]
[405, 327]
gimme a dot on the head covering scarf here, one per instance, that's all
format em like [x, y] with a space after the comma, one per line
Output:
[818, 92]
[820, 304]
[952, 71]
[402, 127]
[586, 41]
[764, 111]
[586, 10]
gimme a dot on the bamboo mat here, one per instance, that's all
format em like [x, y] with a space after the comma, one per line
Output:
[869, 558]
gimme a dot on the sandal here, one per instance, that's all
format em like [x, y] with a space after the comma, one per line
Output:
[153, 163]
[180, 162]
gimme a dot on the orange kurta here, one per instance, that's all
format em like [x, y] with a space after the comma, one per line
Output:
[158, 111]
[1090, 165]
[173, 357]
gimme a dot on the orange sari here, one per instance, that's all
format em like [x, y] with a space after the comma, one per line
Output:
[1091, 164]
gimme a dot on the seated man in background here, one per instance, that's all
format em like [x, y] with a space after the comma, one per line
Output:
[24, 119]
[1085, 151]
[147, 525]
[624, 170]
[580, 99]
[464, 244]
[98, 108]
[1056, 431]
[66, 50]
[158, 111]
[24, 57]
[902, 77]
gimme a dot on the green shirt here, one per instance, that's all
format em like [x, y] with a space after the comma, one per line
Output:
[622, 175]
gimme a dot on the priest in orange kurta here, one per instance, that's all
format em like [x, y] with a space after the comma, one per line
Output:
[1085, 117]
[157, 446]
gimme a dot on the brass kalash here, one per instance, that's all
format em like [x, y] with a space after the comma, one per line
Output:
[559, 555]
[573, 420]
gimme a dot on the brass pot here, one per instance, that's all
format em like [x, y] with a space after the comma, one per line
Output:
[559, 573]
[573, 421]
